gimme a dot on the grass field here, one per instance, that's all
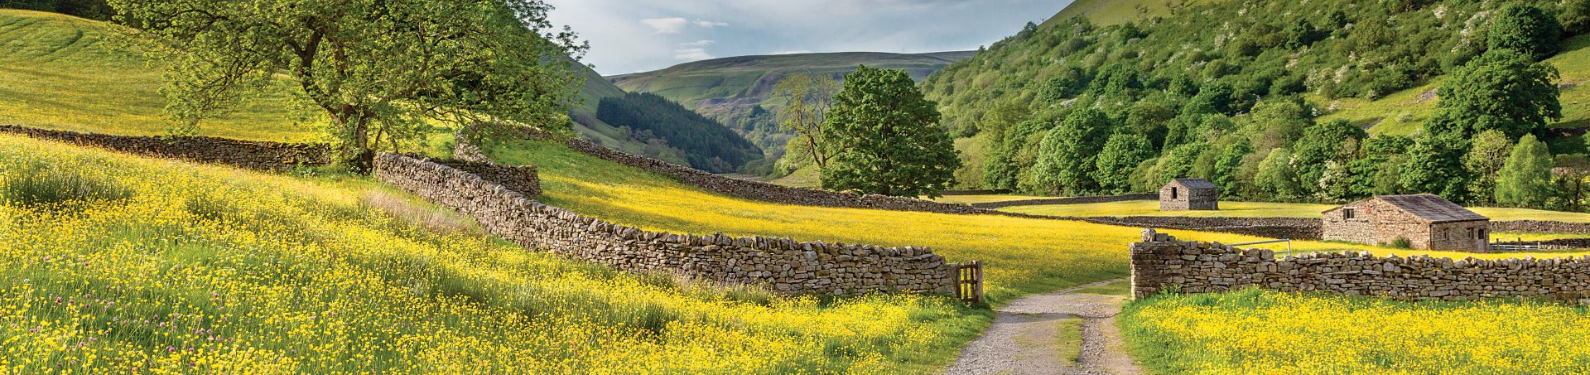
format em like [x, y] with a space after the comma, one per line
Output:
[983, 198]
[1113, 12]
[1258, 332]
[1252, 209]
[57, 72]
[117, 264]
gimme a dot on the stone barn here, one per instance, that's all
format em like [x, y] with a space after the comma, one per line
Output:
[1186, 194]
[1428, 222]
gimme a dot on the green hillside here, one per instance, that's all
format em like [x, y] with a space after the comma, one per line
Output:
[1113, 12]
[1214, 87]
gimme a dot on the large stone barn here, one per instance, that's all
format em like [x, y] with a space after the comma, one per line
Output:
[1185, 194]
[1427, 222]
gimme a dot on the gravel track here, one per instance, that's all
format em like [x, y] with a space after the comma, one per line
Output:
[1022, 338]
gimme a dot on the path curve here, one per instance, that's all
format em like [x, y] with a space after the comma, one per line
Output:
[1021, 340]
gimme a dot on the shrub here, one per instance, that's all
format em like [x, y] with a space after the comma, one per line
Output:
[1401, 243]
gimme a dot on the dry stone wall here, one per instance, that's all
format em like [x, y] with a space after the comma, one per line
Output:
[1161, 263]
[1289, 228]
[783, 265]
[760, 190]
[1536, 226]
[247, 154]
[1072, 200]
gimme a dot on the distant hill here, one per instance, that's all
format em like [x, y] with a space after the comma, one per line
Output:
[732, 90]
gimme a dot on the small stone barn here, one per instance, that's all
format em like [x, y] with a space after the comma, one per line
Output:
[1186, 194]
[1427, 221]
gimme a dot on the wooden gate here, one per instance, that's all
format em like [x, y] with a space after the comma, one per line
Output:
[969, 282]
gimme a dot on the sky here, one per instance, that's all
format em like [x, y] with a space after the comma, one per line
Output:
[629, 36]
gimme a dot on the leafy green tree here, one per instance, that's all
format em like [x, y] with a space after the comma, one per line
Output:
[807, 98]
[1228, 165]
[1277, 123]
[1526, 179]
[1068, 84]
[1501, 90]
[1332, 142]
[1277, 176]
[1122, 154]
[1435, 165]
[1379, 170]
[1069, 155]
[1527, 29]
[887, 138]
[379, 71]
[1575, 169]
[1485, 161]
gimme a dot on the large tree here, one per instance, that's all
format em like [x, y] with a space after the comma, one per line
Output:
[1435, 166]
[887, 138]
[1503, 90]
[1526, 179]
[807, 99]
[378, 70]
[1331, 142]
[1525, 28]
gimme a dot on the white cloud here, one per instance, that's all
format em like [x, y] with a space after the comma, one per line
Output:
[710, 24]
[691, 54]
[697, 44]
[791, 52]
[672, 25]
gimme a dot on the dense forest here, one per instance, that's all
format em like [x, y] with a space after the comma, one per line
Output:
[1226, 91]
[650, 118]
[90, 9]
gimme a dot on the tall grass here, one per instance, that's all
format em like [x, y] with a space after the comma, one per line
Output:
[43, 183]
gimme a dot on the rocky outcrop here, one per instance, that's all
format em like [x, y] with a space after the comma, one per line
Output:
[246, 154]
[782, 265]
[1161, 263]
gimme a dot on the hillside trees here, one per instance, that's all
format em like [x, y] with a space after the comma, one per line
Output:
[708, 145]
[1575, 17]
[1526, 180]
[1069, 155]
[807, 99]
[886, 138]
[1122, 153]
[379, 72]
[1324, 145]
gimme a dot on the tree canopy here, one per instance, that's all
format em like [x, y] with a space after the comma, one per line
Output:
[1526, 29]
[1502, 89]
[379, 72]
[887, 138]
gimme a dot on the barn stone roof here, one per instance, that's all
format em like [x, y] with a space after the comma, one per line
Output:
[1195, 183]
[1431, 207]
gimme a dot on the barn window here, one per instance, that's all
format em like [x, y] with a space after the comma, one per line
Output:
[1347, 213]
[1175, 193]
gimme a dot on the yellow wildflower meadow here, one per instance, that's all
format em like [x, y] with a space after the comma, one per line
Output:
[117, 264]
[1261, 332]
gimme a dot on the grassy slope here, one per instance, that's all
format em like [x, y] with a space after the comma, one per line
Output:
[1253, 209]
[56, 72]
[1112, 12]
[1402, 113]
[229, 271]
[751, 77]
